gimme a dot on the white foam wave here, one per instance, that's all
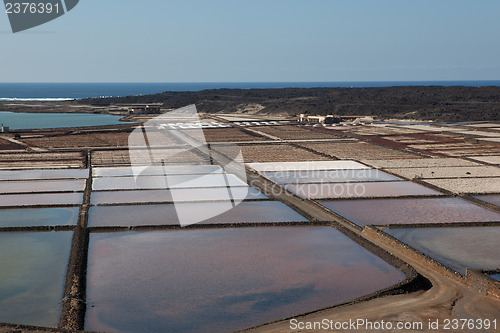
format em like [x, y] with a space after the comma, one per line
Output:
[7, 99]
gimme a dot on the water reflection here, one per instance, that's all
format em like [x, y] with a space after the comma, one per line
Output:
[160, 182]
[359, 190]
[458, 248]
[157, 170]
[181, 195]
[42, 186]
[221, 280]
[492, 199]
[245, 212]
[38, 217]
[13, 200]
[44, 174]
[410, 211]
[32, 272]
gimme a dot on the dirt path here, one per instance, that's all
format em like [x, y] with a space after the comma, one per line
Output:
[17, 142]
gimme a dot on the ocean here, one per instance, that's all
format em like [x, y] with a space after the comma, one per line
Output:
[70, 91]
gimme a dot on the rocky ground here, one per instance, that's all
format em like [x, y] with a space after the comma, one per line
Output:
[430, 103]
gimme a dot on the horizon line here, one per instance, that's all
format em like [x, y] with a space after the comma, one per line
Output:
[201, 82]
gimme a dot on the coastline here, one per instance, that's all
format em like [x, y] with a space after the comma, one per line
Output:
[438, 103]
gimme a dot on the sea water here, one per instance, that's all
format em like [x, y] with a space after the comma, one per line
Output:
[65, 91]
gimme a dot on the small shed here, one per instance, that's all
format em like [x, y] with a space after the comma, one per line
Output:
[150, 108]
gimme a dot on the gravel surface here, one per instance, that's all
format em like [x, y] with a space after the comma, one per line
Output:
[448, 172]
[468, 185]
[357, 150]
[488, 159]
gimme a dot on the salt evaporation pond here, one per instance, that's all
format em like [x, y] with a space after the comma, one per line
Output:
[245, 212]
[33, 267]
[42, 186]
[457, 248]
[161, 182]
[44, 174]
[410, 211]
[360, 190]
[492, 199]
[307, 166]
[18, 120]
[221, 280]
[34, 217]
[15, 200]
[328, 176]
[156, 170]
[181, 195]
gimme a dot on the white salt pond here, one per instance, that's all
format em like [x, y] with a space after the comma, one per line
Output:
[309, 165]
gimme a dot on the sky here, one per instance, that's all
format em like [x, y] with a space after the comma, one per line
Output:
[258, 41]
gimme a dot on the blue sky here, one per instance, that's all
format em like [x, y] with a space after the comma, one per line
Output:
[258, 40]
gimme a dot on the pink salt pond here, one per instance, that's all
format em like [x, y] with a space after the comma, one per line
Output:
[492, 199]
[222, 280]
[360, 190]
[410, 211]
